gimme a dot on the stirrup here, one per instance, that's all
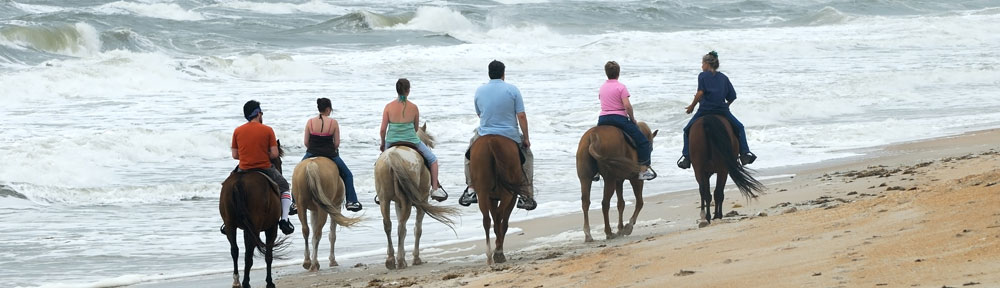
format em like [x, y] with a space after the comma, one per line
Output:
[439, 198]
[649, 169]
[376, 200]
[293, 209]
[286, 226]
[683, 163]
[222, 229]
[353, 207]
[526, 203]
[597, 178]
[748, 158]
[467, 199]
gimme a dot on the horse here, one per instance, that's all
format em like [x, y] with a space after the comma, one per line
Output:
[250, 201]
[714, 150]
[603, 151]
[318, 188]
[498, 178]
[401, 177]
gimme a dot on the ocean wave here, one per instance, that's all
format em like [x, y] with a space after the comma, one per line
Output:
[116, 195]
[314, 6]
[359, 21]
[80, 39]
[167, 11]
[260, 67]
[826, 16]
[6, 191]
[35, 8]
[437, 19]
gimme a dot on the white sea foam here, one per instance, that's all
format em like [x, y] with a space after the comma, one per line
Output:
[169, 11]
[313, 6]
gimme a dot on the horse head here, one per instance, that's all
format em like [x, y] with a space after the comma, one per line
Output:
[425, 137]
[644, 128]
[276, 162]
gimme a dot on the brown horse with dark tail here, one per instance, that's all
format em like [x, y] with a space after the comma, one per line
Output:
[604, 151]
[495, 169]
[249, 201]
[714, 150]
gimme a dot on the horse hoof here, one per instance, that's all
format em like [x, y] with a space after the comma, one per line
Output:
[306, 264]
[271, 285]
[627, 230]
[702, 224]
[390, 264]
[314, 268]
[417, 261]
[334, 263]
[401, 265]
[499, 258]
[588, 239]
[237, 285]
[611, 236]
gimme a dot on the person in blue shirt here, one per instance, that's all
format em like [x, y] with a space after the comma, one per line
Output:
[715, 94]
[501, 112]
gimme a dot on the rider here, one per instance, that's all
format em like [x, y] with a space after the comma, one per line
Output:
[398, 126]
[715, 94]
[325, 141]
[615, 106]
[254, 144]
[501, 111]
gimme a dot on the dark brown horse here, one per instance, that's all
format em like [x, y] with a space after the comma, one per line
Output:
[603, 150]
[714, 150]
[495, 169]
[249, 201]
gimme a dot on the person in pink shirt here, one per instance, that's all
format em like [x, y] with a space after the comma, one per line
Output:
[616, 110]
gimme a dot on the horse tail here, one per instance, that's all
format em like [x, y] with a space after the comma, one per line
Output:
[720, 144]
[316, 191]
[504, 180]
[243, 214]
[612, 167]
[408, 187]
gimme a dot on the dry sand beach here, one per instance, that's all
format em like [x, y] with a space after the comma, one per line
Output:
[921, 214]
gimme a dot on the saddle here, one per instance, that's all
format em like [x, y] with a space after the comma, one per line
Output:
[411, 146]
[274, 185]
[520, 152]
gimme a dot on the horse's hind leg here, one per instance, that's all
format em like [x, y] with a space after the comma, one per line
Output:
[609, 190]
[390, 259]
[720, 195]
[501, 215]
[271, 235]
[235, 252]
[250, 244]
[306, 261]
[333, 242]
[484, 208]
[637, 189]
[402, 215]
[318, 221]
[417, 231]
[619, 187]
[706, 198]
[585, 185]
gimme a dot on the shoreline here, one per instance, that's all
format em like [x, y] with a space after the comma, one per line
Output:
[540, 240]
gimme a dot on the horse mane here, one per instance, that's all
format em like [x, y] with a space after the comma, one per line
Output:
[425, 137]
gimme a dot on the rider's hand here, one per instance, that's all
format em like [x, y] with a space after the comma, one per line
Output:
[690, 109]
[526, 143]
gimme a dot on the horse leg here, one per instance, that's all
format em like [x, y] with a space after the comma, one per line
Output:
[318, 221]
[402, 215]
[637, 189]
[585, 185]
[609, 190]
[706, 199]
[500, 227]
[417, 231]
[250, 244]
[484, 208]
[306, 262]
[235, 252]
[619, 187]
[720, 188]
[333, 242]
[390, 259]
[271, 235]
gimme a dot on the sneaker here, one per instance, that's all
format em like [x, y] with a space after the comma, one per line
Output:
[647, 174]
[353, 206]
[748, 158]
[684, 163]
[526, 203]
[439, 194]
[292, 210]
[286, 226]
[597, 178]
[468, 197]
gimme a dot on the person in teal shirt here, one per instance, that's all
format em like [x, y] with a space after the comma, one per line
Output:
[400, 121]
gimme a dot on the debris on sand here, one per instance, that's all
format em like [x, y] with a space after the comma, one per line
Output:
[684, 273]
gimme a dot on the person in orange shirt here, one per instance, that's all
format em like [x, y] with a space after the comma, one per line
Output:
[254, 144]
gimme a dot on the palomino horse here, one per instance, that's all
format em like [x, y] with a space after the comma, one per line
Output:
[249, 201]
[402, 177]
[603, 150]
[498, 178]
[318, 188]
[714, 150]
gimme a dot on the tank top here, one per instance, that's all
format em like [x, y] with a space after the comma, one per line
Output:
[321, 144]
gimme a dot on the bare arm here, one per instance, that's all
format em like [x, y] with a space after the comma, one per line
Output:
[697, 98]
[628, 108]
[273, 153]
[522, 120]
[385, 125]
[236, 154]
[336, 134]
[416, 119]
[305, 139]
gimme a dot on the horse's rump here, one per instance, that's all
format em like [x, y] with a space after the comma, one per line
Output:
[715, 149]
[492, 155]
[411, 179]
[607, 145]
[241, 194]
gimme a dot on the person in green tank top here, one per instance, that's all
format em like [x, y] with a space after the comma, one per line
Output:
[400, 121]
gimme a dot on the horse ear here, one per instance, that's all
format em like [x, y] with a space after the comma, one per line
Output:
[654, 133]
[424, 128]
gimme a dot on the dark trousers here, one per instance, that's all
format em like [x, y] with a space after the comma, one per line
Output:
[346, 175]
[643, 147]
[741, 133]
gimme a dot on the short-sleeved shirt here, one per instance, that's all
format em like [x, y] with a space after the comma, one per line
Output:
[497, 104]
[252, 142]
[611, 95]
[716, 90]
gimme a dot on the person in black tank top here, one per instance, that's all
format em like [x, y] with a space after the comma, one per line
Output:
[325, 142]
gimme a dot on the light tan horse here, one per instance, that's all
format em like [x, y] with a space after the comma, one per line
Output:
[319, 190]
[402, 178]
[495, 169]
[603, 150]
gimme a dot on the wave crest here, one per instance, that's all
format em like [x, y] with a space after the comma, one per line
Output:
[167, 11]
[78, 39]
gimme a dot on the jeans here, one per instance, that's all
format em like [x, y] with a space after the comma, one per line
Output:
[741, 133]
[642, 145]
[346, 175]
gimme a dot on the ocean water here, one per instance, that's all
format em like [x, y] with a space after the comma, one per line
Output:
[117, 115]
